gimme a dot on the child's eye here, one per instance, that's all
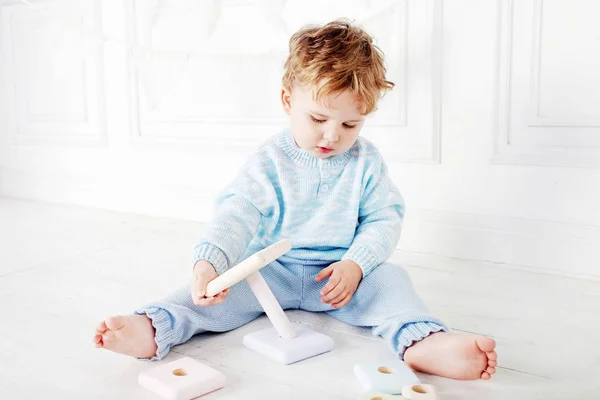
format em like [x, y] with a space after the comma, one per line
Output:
[349, 126]
[318, 121]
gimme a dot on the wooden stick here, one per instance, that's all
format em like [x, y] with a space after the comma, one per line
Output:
[272, 308]
[247, 267]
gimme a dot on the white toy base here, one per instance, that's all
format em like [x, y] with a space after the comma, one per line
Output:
[306, 344]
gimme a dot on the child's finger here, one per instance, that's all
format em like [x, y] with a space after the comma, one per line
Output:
[214, 300]
[339, 298]
[333, 282]
[200, 288]
[324, 273]
[195, 288]
[342, 303]
[334, 293]
[221, 295]
[206, 301]
[219, 299]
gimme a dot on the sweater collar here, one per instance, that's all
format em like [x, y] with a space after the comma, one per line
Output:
[286, 141]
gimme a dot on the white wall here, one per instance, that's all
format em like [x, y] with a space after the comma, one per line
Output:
[492, 132]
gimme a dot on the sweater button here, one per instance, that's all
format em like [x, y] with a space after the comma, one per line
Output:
[324, 188]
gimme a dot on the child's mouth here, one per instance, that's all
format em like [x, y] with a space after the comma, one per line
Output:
[324, 150]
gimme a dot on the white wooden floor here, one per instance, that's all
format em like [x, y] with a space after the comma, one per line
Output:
[62, 269]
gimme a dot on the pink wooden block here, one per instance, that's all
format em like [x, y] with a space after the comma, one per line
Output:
[183, 379]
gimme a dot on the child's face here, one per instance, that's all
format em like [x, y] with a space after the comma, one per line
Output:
[320, 130]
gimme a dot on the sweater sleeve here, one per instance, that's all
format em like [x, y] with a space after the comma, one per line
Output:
[379, 220]
[238, 213]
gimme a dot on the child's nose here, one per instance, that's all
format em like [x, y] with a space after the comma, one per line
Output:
[331, 135]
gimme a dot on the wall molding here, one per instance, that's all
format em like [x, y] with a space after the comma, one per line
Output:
[86, 129]
[448, 264]
[505, 151]
[436, 85]
[122, 193]
[183, 131]
[535, 119]
[557, 248]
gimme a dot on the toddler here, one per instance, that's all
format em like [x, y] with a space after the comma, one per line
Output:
[327, 190]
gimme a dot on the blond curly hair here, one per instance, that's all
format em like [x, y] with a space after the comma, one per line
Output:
[336, 57]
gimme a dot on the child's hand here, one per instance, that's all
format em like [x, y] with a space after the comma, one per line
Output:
[204, 272]
[345, 277]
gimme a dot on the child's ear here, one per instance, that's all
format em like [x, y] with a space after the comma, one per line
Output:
[286, 100]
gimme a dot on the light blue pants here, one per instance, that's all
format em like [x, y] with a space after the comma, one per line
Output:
[384, 301]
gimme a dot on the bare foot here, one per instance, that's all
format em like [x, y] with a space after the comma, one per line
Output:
[132, 335]
[454, 356]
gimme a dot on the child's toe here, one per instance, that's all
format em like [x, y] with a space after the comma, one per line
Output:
[115, 323]
[98, 341]
[101, 328]
[492, 363]
[108, 339]
[485, 376]
[486, 344]
[491, 355]
[491, 370]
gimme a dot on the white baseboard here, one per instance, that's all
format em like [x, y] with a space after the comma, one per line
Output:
[122, 194]
[552, 247]
[541, 246]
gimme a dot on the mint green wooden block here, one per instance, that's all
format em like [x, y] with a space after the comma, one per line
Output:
[387, 377]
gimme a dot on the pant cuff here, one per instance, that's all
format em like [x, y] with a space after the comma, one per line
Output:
[413, 332]
[165, 337]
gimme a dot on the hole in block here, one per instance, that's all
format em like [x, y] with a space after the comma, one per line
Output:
[420, 389]
[385, 370]
[179, 372]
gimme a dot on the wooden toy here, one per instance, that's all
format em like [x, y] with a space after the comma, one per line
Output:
[389, 377]
[420, 392]
[183, 379]
[285, 342]
[247, 267]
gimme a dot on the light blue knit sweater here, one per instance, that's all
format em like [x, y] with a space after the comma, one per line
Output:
[343, 207]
